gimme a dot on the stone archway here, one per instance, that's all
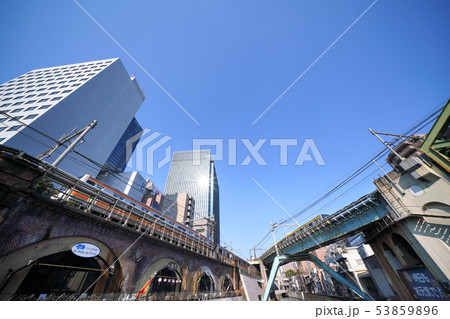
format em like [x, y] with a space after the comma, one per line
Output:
[204, 280]
[226, 284]
[406, 251]
[162, 277]
[59, 266]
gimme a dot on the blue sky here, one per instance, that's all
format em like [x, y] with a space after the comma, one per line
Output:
[225, 62]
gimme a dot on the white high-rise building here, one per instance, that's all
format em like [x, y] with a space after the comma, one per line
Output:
[44, 104]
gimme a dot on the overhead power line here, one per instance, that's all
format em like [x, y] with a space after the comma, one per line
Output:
[428, 118]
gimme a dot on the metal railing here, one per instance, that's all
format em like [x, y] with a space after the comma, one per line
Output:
[308, 231]
[166, 296]
[60, 187]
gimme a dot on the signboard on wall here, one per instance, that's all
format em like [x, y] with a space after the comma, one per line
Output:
[85, 250]
[422, 283]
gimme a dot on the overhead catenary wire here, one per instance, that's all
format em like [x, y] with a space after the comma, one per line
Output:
[417, 126]
[92, 167]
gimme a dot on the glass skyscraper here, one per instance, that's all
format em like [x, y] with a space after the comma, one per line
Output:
[42, 105]
[193, 172]
[119, 157]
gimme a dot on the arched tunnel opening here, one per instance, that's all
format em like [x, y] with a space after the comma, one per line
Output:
[65, 273]
[227, 285]
[205, 283]
[166, 281]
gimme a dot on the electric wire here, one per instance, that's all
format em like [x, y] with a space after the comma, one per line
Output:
[429, 117]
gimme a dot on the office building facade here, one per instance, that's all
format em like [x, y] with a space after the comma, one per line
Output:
[193, 172]
[121, 154]
[42, 105]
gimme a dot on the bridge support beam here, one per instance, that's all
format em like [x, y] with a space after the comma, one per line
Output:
[339, 278]
[277, 262]
[283, 259]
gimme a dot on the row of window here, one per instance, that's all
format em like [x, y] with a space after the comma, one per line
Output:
[56, 98]
[10, 129]
[77, 69]
[41, 87]
[84, 66]
[39, 78]
[29, 109]
[17, 118]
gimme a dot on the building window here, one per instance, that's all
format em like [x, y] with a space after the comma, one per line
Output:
[67, 91]
[2, 129]
[29, 102]
[28, 96]
[43, 107]
[16, 110]
[30, 108]
[57, 98]
[15, 118]
[15, 128]
[43, 100]
[2, 119]
[18, 103]
[42, 94]
[31, 116]
[6, 104]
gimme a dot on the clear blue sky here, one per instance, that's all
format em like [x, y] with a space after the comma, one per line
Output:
[225, 62]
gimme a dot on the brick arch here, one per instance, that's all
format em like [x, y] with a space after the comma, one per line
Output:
[152, 270]
[203, 270]
[221, 282]
[20, 261]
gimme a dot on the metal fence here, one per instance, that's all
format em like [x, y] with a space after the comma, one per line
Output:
[179, 296]
[60, 187]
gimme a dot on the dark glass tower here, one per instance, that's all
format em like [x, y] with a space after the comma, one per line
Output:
[118, 159]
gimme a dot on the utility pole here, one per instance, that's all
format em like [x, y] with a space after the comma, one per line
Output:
[72, 145]
[386, 144]
[272, 227]
[254, 251]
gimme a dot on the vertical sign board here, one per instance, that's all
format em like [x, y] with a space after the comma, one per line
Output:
[422, 283]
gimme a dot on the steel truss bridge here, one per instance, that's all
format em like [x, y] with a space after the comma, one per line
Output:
[348, 221]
